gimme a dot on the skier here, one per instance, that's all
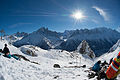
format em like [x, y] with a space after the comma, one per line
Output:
[114, 68]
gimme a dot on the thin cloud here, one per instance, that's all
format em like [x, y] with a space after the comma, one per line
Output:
[95, 21]
[102, 13]
[18, 24]
[33, 15]
[41, 12]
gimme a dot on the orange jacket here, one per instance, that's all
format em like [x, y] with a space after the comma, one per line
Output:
[113, 67]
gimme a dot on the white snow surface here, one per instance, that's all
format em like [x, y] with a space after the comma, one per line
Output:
[11, 69]
[117, 45]
[112, 53]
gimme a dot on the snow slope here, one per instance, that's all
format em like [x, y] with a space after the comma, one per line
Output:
[11, 69]
[117, 45]
[113, 52]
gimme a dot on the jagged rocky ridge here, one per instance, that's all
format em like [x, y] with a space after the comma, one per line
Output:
[114, 47]
[99, 39]
[84, 49]
[43, 38]
[17, 36]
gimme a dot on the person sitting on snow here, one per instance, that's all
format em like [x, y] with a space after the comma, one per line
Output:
[96, 66]
[6, 51]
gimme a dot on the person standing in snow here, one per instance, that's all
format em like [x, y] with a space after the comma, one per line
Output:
[6, 51]
[114, 68]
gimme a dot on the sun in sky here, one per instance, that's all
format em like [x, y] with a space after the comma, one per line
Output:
[78, 15]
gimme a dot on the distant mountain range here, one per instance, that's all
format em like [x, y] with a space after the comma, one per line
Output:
[20, 34]
[43, 38]
[16, 36]
[99, 39]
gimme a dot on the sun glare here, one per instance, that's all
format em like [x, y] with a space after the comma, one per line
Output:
[78, 15]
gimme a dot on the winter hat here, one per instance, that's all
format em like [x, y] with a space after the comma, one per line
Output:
[99, 62]
[5, 44]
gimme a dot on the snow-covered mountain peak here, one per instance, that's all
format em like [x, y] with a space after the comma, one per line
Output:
[117, 45]
[11, 69]
[84, 48]
[43, 38]
[42, 29]
[104, 30]
[46, 32]
[99, 39]
[101, 29]
[20, 34]
[15, 37]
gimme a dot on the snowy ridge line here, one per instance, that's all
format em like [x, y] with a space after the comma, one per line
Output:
[99, 39]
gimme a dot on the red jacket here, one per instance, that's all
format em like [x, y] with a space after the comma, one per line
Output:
[113, 67]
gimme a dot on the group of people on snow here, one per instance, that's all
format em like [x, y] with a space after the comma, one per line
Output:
[109, 72]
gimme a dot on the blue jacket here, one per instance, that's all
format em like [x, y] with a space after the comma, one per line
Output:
[96, 67]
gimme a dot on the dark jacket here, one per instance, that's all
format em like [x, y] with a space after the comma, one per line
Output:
[5, 50]
[96, 67]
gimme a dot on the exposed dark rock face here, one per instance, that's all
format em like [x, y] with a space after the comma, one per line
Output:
[84, 49]
[56, 66]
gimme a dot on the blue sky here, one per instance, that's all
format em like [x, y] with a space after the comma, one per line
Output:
[30, 15]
